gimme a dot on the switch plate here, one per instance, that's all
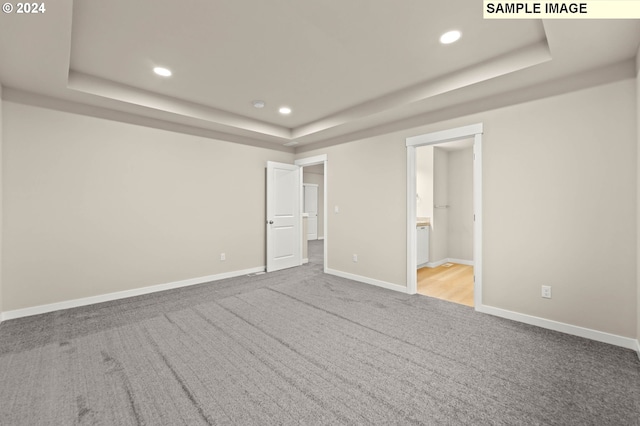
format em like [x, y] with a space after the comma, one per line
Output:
[223, 256]
[355, 258]
[336, 209]
[546, 291]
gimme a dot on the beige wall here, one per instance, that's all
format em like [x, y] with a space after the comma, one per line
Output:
[559, 190]
[424, 181]
[318, 179]
[460, 187]
[96, 206]
[439, 236]
[446, 177]
[363, 178]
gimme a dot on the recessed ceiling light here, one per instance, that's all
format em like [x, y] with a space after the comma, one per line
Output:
[450, 37]
[259, 104]
[285, 110]
[162, 71]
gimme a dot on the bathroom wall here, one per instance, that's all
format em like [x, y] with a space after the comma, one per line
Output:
[424, 181]
[445, 178]
[460, 211]
[439, 238]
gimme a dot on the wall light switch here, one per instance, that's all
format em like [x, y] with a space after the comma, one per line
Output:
[223, 256]
[336, 209]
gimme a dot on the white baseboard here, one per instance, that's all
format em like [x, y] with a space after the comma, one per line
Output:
[305, 261]
[575, 330]
[638, 348]
[436, 263]
[36, 310]
[448, 260]
[321, 238]
[367, 280]
[460, 261]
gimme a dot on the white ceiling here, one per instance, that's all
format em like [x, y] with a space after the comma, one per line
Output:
[345, 68]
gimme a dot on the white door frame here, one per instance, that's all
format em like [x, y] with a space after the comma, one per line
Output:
[312, 161]
[475, 131]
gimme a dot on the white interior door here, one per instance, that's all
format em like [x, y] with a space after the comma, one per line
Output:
[283, 216]
[311, 207]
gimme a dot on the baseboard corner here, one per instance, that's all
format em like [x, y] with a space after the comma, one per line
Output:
[436, 263]
[366, 280]
[638, 348]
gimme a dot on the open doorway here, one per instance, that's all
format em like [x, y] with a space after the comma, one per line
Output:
[313, 210]
[313, 187]
[444, 206]
[436, 210]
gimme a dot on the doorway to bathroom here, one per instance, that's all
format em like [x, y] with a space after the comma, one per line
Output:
[444, 207]
[314, 202]
[444, 214]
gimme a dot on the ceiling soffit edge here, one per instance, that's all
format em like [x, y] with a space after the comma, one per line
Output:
[603, 75]
[109, 89]
[504, 64]
[595, 77]
[41, 101]
[517, 60]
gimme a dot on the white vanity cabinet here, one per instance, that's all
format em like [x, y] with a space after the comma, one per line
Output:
[422, 240]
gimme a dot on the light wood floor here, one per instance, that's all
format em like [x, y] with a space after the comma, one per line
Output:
[454, 283]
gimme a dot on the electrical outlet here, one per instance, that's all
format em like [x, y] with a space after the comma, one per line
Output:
[546, 291]
[355, 258]
[223, 256]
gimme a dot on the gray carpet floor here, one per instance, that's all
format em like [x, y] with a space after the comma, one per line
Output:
[300, 347]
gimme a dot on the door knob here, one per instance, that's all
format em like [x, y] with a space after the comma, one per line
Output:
[270, 222]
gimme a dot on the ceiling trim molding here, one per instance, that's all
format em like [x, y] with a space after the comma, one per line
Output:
[110, 89]
[603, 75]
[513, 61]
[595, 77]
[41, 101]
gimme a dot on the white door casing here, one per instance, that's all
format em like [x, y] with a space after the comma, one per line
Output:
[311, 207]
[283, 216]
